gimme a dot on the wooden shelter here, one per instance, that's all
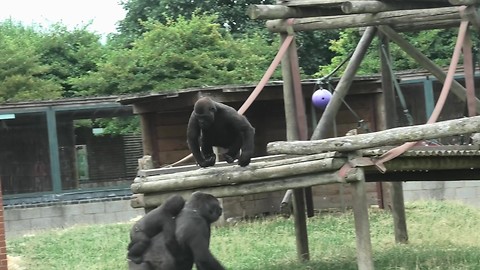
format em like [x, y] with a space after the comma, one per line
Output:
[349, 158]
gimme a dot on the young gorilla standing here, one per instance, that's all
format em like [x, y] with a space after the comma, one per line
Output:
[215, 124]
[193, 232]
[160, 219]
[193, 236]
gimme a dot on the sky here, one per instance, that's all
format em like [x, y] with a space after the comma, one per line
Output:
[104, 14]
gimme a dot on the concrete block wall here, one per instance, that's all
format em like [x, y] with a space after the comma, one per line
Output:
[464, 191]
[29, 219]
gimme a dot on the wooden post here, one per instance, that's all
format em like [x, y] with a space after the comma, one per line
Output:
[362, 224]
[343, 85]
[398, 205]
[292, 134]
[149, 137]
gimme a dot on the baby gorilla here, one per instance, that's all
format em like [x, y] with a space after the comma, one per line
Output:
[215, 124]
[160, 219]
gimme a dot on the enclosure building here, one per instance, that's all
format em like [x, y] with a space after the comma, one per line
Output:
[164, 118]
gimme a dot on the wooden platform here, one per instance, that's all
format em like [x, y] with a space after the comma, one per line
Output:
[282, 172]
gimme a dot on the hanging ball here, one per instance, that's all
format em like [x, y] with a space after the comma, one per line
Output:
[320, 98]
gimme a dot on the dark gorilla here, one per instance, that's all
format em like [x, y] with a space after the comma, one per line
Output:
[193, 232]
[215, 124]
[193, 237]
[160, 219]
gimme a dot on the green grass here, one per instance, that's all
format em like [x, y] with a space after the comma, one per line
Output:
[442, 236]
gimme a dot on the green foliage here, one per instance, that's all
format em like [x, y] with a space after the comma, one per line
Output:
[436, 44]
[21, 69]
[120, 125]
[69, 54]
[179, 54]
[231, 14]
[443, 235]
[37, 63]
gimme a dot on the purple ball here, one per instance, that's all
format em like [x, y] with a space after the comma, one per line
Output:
[320, 98]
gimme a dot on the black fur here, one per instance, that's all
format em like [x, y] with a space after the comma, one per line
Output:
[193, 237]
[160, 219]
[215, 124]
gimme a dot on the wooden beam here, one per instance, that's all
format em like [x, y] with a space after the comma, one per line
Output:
[421, 16]
[322, 3]
[396, 188]
[362, 225]
[326, 122]
[301, 234]
[226, 175]
[283, 12]
[456, 88]
[291, 182]
[464, 2]
[355, 7]
[392, 136]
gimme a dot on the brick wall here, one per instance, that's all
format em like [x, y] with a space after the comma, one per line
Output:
[3, 245]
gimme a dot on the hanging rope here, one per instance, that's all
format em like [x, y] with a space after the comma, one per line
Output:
[395, 152]
[268, 74]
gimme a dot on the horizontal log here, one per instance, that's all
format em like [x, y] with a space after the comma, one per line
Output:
[184, 168]
[381, 138]
[464, 2]
[363, 20]
[261, 162]
[232, 175]
[155, 199]
[283, 12]
[321, 3]
[418, 26]
[355, 7]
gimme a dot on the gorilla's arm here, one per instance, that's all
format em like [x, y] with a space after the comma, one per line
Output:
[248, 134]
[202, 257]
[193, 136]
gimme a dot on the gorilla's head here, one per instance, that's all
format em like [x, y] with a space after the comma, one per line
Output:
[205, 112]
[206, 205]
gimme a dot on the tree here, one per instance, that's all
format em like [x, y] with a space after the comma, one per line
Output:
[22, 74]
[436, 44]
[313, 46]
[69, 54]
[179, 54]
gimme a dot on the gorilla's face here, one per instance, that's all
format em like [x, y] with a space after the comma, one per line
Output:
[214, 211]
[205, 112]
[207, 205]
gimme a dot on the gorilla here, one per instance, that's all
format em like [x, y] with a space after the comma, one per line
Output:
[193, 239]
[160, 219]
[193, 232]
[215, 124]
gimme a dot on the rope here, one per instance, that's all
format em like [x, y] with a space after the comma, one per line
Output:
[395, 152]
[248, 102]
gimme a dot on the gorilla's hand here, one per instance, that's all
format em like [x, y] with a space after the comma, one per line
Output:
[209, 161]
[243, 160]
